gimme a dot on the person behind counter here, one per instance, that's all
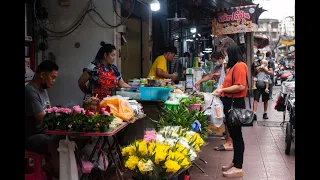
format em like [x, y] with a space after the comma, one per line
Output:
[159, 67]
[36, 101]
[102, 74]
[218, 59]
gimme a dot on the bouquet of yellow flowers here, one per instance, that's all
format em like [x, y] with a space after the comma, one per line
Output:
[155, 160]
[163, 153]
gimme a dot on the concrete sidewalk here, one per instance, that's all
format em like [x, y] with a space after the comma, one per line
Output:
[264, 157]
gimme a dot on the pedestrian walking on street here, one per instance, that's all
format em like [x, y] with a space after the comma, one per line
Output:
[260, 91]
[272, 65]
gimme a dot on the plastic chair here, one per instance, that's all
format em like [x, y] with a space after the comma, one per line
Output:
[34, 171]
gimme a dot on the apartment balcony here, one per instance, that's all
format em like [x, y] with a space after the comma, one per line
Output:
[262, 30]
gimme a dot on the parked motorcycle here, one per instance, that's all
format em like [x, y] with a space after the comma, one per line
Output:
[282, 75]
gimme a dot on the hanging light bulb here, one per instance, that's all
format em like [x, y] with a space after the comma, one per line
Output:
[193, 30]
[154, 5]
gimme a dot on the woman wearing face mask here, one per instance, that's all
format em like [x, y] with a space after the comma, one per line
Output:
[102, 74]
[218, 59]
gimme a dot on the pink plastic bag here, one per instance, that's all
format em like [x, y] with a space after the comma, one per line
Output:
[86, 166]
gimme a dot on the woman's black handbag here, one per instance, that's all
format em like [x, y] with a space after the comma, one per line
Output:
[238, 117]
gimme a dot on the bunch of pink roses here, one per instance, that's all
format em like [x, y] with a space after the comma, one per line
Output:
[79, 110]
[57, 110]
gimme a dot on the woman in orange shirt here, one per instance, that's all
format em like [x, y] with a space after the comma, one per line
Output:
[238, 72]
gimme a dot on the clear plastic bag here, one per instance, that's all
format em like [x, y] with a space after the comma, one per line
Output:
[103, 162]
[222, 76]
[70, 104]
[207, 102]
[217, 114]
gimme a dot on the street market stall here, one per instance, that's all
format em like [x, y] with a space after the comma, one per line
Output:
[116, 123]
[171, 106]
[100, 121]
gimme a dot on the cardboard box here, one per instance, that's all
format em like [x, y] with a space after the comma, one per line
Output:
[214, 131]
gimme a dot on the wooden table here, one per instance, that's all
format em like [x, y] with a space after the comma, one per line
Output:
[115, 145]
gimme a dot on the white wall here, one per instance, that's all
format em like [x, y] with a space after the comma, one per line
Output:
[72, 60]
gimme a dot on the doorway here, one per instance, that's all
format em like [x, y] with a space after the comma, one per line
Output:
[132, 50]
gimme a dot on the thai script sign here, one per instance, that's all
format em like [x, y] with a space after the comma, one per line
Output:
[233, 20]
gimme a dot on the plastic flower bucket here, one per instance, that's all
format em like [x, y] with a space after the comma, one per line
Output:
[173, 105]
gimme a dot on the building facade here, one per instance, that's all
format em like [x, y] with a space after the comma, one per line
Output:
[268, 28]
[287, 26]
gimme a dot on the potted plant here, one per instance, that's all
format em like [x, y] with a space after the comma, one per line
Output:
[58, 118]
[78, 119]
[193, 103]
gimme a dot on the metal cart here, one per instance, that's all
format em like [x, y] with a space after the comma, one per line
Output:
[288, 93]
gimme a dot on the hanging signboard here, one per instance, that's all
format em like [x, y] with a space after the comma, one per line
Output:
[234, 20]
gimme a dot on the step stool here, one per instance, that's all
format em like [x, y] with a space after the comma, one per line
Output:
[33, 166]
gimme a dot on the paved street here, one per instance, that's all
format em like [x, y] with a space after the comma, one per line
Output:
[264, 157]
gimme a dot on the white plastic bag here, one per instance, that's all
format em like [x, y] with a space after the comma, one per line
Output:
[217, 114]
[68, 166]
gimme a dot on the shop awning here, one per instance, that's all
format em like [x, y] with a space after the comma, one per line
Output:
[199, 11]
[260, 41]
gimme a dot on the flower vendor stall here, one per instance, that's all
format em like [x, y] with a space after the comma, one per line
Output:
[171, 147]
[168, 145]
[98, 120]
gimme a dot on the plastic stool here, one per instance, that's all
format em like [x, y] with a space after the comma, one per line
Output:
[34, 171]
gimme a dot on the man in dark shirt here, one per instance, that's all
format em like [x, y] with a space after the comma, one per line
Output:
[36, 101]
[260, 91]
[218, 59]
[271, 63]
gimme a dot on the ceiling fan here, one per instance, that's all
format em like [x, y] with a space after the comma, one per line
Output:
[175, 18]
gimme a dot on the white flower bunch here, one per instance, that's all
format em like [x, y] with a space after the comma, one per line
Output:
[115, 122]
[192, 154]
[148, 166]
[159, 138]
[170, 141]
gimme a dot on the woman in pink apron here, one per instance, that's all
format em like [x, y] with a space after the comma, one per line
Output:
[102, 74]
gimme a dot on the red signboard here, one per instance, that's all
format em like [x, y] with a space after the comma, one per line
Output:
[233, 20]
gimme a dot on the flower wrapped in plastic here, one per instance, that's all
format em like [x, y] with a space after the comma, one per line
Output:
[156, 160]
